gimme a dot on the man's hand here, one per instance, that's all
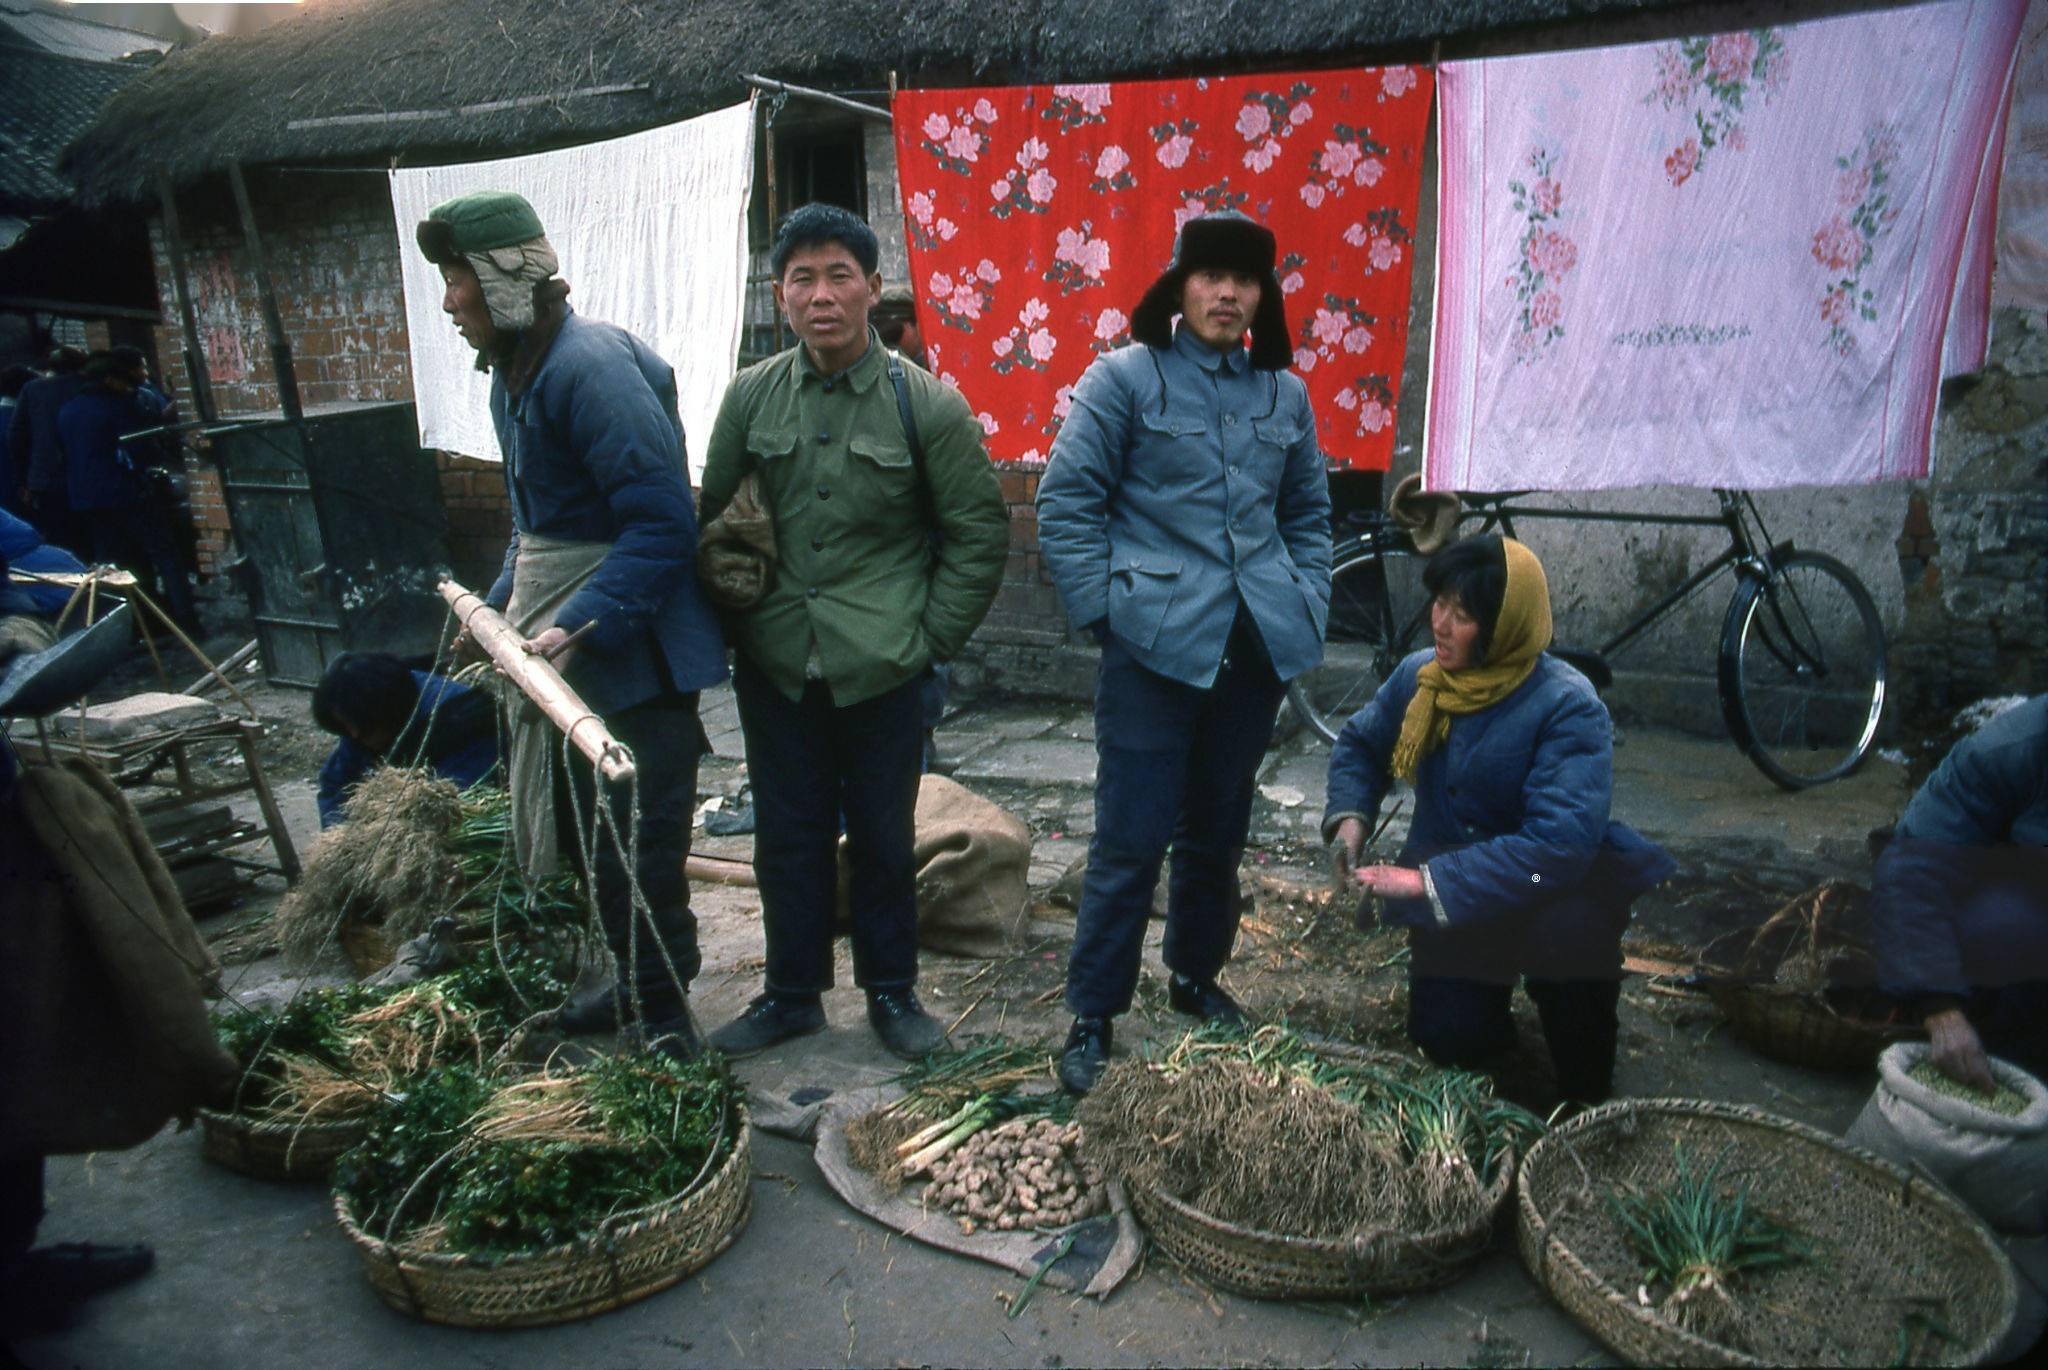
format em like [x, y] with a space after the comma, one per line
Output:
[466, 650]
[1391, 882]
[553, 644]
[1956, 1050]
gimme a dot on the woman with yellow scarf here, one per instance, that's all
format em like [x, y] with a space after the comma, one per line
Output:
[1512, 870]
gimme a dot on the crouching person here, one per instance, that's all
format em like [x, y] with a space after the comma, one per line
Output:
[890, 539]
[1185, 518]
[599, 577]
[382, 710]
[1512, 870]
[1960, 900]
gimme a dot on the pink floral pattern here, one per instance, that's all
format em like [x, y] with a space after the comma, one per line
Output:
[957, 141]
[1861, 212]
[1545, 258]
[1030, 254]
[1267, 117]
[1710, 79]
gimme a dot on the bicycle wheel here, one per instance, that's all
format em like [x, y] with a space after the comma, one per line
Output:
[1802, 670]
[1376, 601]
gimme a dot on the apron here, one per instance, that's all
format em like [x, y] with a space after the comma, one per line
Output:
[546, 575]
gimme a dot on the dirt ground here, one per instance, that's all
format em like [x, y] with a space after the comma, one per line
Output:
[258, 1274]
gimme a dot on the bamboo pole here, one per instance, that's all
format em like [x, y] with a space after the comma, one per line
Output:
[539, 681]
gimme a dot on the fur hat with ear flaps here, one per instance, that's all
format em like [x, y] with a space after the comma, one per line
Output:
[1221, 241]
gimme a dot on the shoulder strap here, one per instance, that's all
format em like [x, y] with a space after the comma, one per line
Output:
[898, 379]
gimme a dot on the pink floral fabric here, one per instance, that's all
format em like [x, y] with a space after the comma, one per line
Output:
[1038, 215]
[1725, 260]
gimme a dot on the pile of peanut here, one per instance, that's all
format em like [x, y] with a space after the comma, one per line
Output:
[1019, 1175]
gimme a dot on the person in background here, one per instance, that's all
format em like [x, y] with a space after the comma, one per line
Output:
[1185, 518]
[385, 712]
[38, 450]
[12, 382]
[22, 549]
[1959, 900]
[108, 489]
[830, 664]
[599, 577]
[1513, 869]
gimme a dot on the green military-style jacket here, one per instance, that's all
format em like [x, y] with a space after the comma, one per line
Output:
[858, 586]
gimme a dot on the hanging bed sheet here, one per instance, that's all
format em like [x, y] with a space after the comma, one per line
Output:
[1726, 260]
[651, 230]
[1037, 216]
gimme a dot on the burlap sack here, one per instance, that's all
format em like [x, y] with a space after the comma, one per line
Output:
[104, 1032]
[973, 872]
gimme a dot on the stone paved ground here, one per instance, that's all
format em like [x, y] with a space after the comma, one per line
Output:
[257, 1275]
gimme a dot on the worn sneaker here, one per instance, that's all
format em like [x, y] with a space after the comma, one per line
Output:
[1204, 1001]
[771, 1018]
[1085, 1055]
[902, 1024]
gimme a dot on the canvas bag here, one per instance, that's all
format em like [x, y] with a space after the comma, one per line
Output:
[973, 863]
[1996, 1165]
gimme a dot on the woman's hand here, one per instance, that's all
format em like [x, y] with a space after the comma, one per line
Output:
[1345, 848]
[1957, 1051]
[1391, 882]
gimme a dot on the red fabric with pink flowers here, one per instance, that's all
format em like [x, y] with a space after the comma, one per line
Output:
[1038, 215]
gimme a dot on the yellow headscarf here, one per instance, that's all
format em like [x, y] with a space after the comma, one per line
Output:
[1519, 637]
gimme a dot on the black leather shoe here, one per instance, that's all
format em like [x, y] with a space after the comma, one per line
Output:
[1085, 1055]
[591, 1010]
[771, 1018]
[76, 1270]
[902, 1024]
[1204, 1001]
[675, 1037]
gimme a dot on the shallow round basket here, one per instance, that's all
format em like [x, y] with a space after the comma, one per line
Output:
[636, 1253]
[276, 1150]
[1799, 1028]
[1889, 1240]
[1271, 1265]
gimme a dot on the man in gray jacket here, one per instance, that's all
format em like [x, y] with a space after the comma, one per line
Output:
[1185, 518]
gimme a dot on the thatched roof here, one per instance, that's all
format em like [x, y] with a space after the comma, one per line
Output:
[365, 80]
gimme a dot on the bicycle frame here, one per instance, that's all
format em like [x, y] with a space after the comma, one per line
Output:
[1742, 552]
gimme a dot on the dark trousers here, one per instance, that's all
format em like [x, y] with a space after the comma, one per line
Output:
[50, 512]
[21, 1204]
[667, 742]
[1462, 1023]
[810, 762]
[1174, 766]
[137, 539]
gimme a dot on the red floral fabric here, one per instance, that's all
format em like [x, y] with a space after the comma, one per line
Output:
[1038, 215]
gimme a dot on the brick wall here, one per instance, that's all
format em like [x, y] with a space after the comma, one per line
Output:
[333, 257]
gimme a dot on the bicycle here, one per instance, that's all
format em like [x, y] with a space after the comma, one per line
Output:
[1801, 665]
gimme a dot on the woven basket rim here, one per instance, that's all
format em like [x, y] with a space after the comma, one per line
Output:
[614, 1228]
[230, 1120]
[1616, 1113]
[1344, 1247]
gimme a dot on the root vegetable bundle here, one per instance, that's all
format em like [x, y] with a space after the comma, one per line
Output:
[1019, 1174]
[414, 850]
[466, 1163]
[1700, 1239]
[333, 1054]
[1264, 1131]
[993, 1138]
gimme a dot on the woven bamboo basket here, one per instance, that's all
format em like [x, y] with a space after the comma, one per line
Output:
[1801, 1028]
[636, 1253]
[1799, 1023]
[1880, 1229]
[276, 1150]
[1271, 1265]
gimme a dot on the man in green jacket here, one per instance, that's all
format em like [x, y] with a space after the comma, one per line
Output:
[890, 538]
